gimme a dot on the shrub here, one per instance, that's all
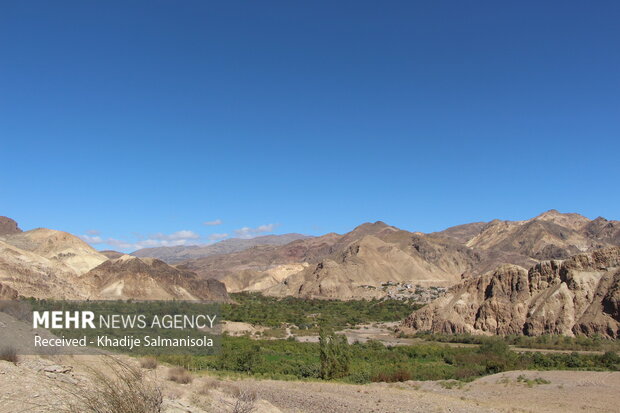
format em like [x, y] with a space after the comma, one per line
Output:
[334, 354]
[179, 375]
[122, 390]
[208, 385]
[611, 360]
[494, 346]
[9, 354]
[244, 401]
[148, 363]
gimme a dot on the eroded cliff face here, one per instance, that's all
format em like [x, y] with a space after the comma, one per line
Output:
[580, 295]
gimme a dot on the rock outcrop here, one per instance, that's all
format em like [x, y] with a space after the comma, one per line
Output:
[8, 226]
[7, 293]
[579, 295]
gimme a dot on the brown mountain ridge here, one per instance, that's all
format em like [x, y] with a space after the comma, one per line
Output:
[45, 263]
[355, 264]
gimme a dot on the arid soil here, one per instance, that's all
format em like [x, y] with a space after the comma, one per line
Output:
[567, 391]
[38, 384]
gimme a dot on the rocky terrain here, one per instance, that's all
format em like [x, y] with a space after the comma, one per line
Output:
[356, 264]
[8, 226]
[45, 263]
[131, 277]
[579, 295]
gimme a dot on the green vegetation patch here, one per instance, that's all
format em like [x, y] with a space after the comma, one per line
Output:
[549, 342]
[372, 361]
[257, 309]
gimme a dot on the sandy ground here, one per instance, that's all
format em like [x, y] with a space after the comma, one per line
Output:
[38, 384]
[567, 391]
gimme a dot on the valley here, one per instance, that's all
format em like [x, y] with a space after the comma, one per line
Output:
[448, 318]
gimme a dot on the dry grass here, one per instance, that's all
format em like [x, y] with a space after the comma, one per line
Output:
[208, 385]
[148, 363]
[179, 375]
[244, 401]
[124, 389]
[9, 354]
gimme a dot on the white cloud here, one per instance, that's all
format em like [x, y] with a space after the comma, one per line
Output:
[247, 232]
[93, 232]
[213, 223]
[217, 237]
[91, 239]
[184, 237]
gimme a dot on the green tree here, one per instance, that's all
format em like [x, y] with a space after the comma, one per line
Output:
[335, 354]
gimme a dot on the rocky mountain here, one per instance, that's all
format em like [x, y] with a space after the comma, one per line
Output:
[8, 226]
[45, 263]
[228, 246]
[59, 247]
[355, 264]
[131, 277]
[579, 295]
[341, 266]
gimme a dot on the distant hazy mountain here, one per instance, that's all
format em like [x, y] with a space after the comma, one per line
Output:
[182, 253]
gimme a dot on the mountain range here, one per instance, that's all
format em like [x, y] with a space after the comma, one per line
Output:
[357, 263]
[180, 253]
[571, 286]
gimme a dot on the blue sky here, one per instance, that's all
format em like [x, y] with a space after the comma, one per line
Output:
[132, 121]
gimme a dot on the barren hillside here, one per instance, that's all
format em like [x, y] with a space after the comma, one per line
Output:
[355, 264]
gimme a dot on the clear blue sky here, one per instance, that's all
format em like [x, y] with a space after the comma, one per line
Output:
[138, 119]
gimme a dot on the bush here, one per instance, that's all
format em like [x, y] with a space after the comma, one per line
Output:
[334, 354]
[611, 360]
[208, 385]
[244, 401]
[179, 375]
[243, 359]
[392, 377]
[123, 390]
[494, 346]
[148, 363]
[9, 354]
